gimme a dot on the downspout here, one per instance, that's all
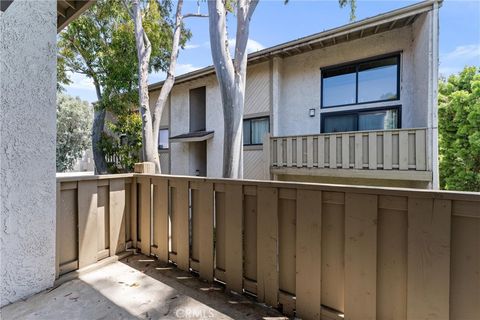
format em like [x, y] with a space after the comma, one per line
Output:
[433, 97]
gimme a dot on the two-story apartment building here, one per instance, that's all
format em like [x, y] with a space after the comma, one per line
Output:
[356, 105]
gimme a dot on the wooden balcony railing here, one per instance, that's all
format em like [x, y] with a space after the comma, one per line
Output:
[402, 149]
[316, 250]
[94, 214]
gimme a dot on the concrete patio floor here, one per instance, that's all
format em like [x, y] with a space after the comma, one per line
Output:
[137, 287]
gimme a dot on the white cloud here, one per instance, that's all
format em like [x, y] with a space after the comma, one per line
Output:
[463, 52]
[192, 46]
[80, 81]
[185, 68]
[455, 60]
[82, 87]
[252, 45]
[179, 70]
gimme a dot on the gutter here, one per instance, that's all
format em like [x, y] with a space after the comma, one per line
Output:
[317, 38]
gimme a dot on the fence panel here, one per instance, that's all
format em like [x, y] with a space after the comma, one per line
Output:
[206, 229]
[220, 229]
[250, 239]
[308, 254]
[160, 218]
[267, 236]
[233, 237]
[317, 251]
[93, 215]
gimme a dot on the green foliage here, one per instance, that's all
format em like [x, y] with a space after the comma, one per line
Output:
[459, 131]
[74, 122]
[101, 45]
[353, 7]
[123, 144]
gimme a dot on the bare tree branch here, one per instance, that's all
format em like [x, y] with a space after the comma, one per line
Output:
[198, 15]
[251, 8]
[170, 80]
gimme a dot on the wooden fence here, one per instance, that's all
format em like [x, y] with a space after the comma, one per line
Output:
[93, 219]
[321, 251]
[402, 149]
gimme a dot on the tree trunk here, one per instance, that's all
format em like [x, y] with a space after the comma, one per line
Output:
[151, 118]
[144, 50]
[97, 130]
[169, 81]
[231, 79]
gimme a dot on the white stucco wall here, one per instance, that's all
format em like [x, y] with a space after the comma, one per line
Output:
[166, 111]
[27, 95]
[286, 88]
[215, 123]
[300, 88]
[421, 29]
[180, 124]
[258, 89]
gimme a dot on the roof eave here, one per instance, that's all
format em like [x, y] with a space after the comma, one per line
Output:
[71, 11]
[322, 39]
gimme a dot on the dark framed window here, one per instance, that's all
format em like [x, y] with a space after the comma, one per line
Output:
[366, 81]
[254, 130]
[163, 142]
[362, 120]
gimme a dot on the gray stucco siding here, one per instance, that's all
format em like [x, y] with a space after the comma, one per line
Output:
[28, 132]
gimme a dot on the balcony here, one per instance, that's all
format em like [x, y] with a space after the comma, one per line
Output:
[388, 154]
[307, 250]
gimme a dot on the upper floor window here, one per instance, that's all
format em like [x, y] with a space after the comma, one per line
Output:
[254, 130]
[163, 142]
[363, 82]
[361, 120]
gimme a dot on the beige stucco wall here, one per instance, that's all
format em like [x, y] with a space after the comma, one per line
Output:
[300, 88]
[258, 102]
[286, 88]
[28, 108]
[166, 111]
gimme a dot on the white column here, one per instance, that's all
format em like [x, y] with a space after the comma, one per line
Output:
[433, 95]
[27, 148]
[275, 94]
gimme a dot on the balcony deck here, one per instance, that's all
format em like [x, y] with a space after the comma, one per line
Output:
[399, 154]
[138, 287]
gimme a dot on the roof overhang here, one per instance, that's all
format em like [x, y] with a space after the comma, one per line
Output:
[356, 30]
[4, 4]
[69, 10]
[193, 136]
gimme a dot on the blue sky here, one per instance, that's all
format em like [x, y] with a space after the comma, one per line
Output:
[274, 22]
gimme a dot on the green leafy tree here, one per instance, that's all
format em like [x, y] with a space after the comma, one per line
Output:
[123, 146]
[151, 117]
[459, 131]
[74, 122]
[101, 45]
